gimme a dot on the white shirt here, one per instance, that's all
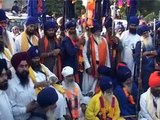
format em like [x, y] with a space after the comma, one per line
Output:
[11, 42]
[144, 115]
[20, 97]
[61, 103]
[128, 42]
[5, 107]
[18, 41]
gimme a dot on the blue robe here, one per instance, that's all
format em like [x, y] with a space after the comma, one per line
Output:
[69, 54]
[125, 106]
[148, 64]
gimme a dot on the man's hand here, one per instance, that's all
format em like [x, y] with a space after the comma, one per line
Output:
[31, 106]
[55, 52]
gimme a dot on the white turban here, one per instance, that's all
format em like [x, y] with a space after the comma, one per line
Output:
[67, 71]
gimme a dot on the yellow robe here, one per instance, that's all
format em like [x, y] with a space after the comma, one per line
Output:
[93, 108]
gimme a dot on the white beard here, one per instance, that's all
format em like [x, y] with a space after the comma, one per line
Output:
[97, 39]
[50, 115]
[147, 41]
[108, 97]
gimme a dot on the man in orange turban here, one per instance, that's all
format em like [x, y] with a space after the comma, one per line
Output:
[150, 100]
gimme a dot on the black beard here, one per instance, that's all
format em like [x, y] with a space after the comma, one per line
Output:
[29, 33]
[36, 67]
[24, 79]
[4, 86]
[132, 31]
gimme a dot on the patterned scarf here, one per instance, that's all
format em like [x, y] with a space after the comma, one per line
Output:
[128, 95]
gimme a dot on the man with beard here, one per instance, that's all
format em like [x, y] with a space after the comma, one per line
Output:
[6, 35]
[104, 105]
[73, 94]
[70, 47]
[21, 89]
[95, 53]
[126, 93]
[42, 77]
[145, 49]
[48, 46]
[47, 99]
[129, 39]
[5, 107]
[27, 37]
[150, 100]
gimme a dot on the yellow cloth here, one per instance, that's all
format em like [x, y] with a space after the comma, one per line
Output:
[24, 41]
[93, 108]
[7, 54]
[32, 76]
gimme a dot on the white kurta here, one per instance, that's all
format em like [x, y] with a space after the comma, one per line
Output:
[13, 47]
[88, 80]
[18, 42]
[61, 103]
[129, 42]
[20, 97]
[5, 107]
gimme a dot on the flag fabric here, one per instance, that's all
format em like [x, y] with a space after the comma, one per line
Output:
[98, 13]
[133, 8]
[106, 8]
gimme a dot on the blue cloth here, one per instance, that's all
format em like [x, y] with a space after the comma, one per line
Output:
[142, 29]
[46, 97]
[104, 70]
[126, 107]
[49, 24]
[33, 52]
[31, 20]
[157, 25]
[123, 73]
[96, 27]
[70, 24]
[2, 15]
[108, 22]
[105, 83]
[133, 20]
[69, 54]
[148, 65]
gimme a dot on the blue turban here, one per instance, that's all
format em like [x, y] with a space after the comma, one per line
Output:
[104, 70]
[157, 25]
[33, 52]
[70, 24]
[47, 97]
[133, 20]
[108, 22]
[31, 20]
[123, 73]
[105, 83]
[141, 29]
[17, 58]
[49, 24]
[3, 65]
[96, 27]
[3, 15]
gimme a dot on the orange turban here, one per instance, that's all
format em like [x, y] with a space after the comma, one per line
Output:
[154, 79]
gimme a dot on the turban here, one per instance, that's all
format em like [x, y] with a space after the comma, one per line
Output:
[47, 97]
[133, 20]
[157, 25]
[17, 58]
[31, 20]
[108, 23]
[96, 27]
[154, 79]
[3, 65]
[49, 24]
[142, 29]
[123, 73]
[121, 64]
[70, 24]
[105, 83]
[3, 15]
[66, 71]
[104, 70]
[33, 52]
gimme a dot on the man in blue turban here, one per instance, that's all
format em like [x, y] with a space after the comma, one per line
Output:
[129, 39]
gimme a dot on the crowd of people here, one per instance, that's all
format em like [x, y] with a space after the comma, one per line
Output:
[79, 73]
